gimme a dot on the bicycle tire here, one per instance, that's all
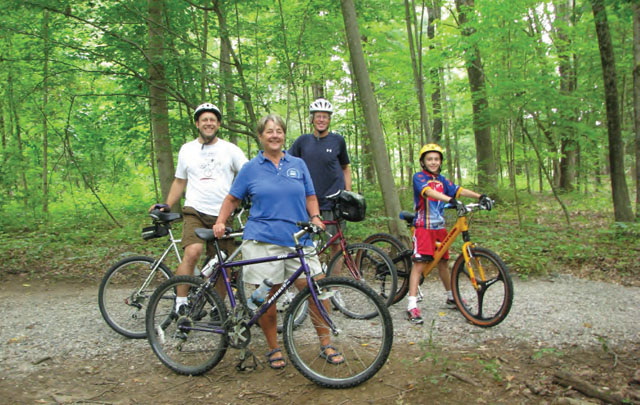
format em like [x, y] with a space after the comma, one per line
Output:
[399, 255]
[245, 290]
[120, 303]
[192, 352]
[491, 302]
[364, 344]
[372, 267]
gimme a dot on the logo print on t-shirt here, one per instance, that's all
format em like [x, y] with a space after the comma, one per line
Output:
[329, 150]
[293, 173]
[208, 166]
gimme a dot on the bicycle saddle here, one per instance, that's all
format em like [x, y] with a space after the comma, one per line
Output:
[407, 216]
[165, 217]
[205, 233]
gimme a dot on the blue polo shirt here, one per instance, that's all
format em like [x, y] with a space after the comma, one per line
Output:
[278, 198]
[429, 211]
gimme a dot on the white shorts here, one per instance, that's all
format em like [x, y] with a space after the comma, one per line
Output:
[276, 271]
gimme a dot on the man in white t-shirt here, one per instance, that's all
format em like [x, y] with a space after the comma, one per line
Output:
[206, 168]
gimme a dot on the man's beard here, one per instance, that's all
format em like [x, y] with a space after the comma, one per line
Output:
[208, 139]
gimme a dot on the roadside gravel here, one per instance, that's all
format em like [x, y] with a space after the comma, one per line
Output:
[42, 322]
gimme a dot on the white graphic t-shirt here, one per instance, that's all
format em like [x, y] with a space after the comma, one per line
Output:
[209, 172]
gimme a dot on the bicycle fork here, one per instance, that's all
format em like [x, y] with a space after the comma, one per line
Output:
[468, 256]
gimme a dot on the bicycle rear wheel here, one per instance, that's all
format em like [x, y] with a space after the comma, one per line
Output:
[369, 265]
[191, 343]
[245, 291]
[364, 344]
[124, 292]
[489, 303]
[399, 255]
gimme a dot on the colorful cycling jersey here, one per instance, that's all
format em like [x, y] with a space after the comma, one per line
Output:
[429, 211]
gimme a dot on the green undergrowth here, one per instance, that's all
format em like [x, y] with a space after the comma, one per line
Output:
[82, 243]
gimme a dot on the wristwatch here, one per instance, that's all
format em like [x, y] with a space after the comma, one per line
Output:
[316, 216]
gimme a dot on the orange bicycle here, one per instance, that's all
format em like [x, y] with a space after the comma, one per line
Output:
[480, 281]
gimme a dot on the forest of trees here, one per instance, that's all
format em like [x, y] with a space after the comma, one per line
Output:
[525, 95]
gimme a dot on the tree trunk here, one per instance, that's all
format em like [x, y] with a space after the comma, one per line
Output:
[246, 94]
[621, 204]
[226, 93]
[18, 131]
[374, 129]
[481, 119]
[436, 98]
[290, 67]
[418, 82]
[636, 97]
[203, 53]
[567, 70]
[357, 168]
[45, 101]
[158, 98]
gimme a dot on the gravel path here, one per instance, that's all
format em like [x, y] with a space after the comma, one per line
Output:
[47, 322]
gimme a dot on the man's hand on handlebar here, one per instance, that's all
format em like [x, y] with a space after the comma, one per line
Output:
[318, 222]
[161, 207]
[219, 230]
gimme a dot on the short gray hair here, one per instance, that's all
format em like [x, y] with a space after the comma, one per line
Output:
[275, 118]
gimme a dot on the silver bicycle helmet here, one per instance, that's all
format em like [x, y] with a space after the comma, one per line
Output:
[207, 107]
[321, 105]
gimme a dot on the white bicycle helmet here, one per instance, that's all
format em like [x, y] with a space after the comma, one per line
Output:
[321, 105]
[207, 107]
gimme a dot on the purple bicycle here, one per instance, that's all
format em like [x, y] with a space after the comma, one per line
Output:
[194, 342]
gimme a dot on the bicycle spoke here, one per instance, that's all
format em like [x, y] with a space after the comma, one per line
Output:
[191, 342]
[363, 344]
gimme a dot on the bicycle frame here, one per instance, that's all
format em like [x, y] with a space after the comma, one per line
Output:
[173, 243]
[343, 246]
[223, 266]
[460, 227]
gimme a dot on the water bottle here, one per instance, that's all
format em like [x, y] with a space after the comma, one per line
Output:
[211, 264]
[259, 295]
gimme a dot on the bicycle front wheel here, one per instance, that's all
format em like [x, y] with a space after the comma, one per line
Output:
[125, 290]
[489, 303]
[399, 255]
[363, 344]
[369, 265]
[194, 341]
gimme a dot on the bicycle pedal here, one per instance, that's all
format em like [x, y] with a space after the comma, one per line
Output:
[248, 361]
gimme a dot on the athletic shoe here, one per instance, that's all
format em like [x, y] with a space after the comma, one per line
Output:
[414, 316]
[451, 304]
[186, 308]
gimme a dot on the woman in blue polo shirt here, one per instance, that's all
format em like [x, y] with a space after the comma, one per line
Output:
[282, 193]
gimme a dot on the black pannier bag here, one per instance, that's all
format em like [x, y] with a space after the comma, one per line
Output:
[351, 206]
[155, 231]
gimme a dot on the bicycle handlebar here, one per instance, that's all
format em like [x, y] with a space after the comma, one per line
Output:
[306, 227]
[408, 216]
[470, 207]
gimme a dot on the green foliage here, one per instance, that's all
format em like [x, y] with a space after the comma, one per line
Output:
[99, 146]
[546, 351]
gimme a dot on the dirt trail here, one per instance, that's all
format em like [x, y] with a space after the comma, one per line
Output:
[57, 349]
